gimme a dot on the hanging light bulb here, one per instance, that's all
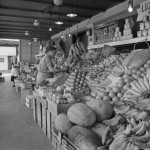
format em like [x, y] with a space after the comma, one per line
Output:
[69, 35]
[71, 15]
[35, 39]
[62, 36]
[50, 29]
[26, 33]
[29, 42]
[59, 22]
[130, 6]
[36, 23]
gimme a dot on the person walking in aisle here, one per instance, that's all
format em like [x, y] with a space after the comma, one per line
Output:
[46, 66]
[15, 70]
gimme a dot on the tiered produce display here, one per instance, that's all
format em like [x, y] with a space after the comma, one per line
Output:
[116, 113]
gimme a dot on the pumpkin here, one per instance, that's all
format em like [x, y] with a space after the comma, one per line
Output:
[62, 123]
[99, 129]
[84, 138]
[81, 114]
[103, 109]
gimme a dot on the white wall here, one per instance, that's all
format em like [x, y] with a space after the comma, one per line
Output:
[4, 65]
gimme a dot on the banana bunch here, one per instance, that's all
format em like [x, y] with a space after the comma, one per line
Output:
[143, 104]
[122, 109]
[76, 52]
[114, 121]
[139, 87]
[118, 71]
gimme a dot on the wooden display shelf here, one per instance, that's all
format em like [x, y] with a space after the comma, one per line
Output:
[123, 42]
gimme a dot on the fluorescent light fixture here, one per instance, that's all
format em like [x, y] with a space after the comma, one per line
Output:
[130, 6]
[71, 15]
[50, 29]
[59, 22]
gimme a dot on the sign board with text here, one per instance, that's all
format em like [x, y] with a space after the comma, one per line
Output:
[144, 10]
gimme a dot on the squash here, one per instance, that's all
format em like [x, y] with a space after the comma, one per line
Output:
[81, 114]
[99, 129]
[62, 123]
[84, 138]
[103, 109]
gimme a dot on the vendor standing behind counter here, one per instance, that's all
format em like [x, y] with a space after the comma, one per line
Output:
[46, 67]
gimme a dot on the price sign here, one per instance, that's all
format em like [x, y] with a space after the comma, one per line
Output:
[144, 10]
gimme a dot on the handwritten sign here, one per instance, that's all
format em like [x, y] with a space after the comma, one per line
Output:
[144, 10]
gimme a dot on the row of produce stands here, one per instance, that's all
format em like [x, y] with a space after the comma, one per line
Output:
[103, 106]
[102, 103]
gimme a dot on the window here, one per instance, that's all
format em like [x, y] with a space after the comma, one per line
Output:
[1, 60]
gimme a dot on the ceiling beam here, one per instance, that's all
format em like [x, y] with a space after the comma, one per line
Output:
[18, 36]
[69, 21]
[23, 23]
[67, 5]
[41, 12]
[27, 28]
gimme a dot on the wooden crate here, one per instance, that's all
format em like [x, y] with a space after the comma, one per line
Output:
[56, 109]
[49, 131]
[40, 111]
[29, 101]
[34, 108]
[67, 144]
[54, 141]
[44, 119]
[24, 94]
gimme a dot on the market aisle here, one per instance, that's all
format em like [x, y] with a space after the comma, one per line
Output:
[18, 131]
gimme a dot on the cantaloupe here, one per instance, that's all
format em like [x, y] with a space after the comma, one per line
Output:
[62, 123]
[103, 109]
[84, 138]
[81, 114]
[99, 129]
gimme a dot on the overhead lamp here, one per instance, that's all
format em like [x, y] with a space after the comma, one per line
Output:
[59, 22]
[72, 14]
[69, 33]
[130, 5]
[58, 2]
[50, 29]
[62, 35]
[26, 33]
[35, 39]
[36, 23]
[29, 42]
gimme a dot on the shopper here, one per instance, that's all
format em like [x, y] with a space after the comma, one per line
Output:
[15, 70]
[46, 66]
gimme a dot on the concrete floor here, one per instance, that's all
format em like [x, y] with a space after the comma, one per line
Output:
[18, 131]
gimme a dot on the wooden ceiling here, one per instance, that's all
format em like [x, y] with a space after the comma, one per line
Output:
[17, 16]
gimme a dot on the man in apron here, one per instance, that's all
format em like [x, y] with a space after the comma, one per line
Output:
[46, 66]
